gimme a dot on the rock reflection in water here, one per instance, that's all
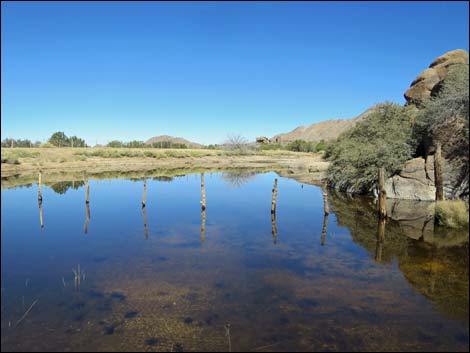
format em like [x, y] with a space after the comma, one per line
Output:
[428, 256]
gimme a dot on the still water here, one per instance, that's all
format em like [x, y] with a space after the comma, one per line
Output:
[114, 276]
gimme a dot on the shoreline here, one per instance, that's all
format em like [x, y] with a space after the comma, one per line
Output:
[68, 164]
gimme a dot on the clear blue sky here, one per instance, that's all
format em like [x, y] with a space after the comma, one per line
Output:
[130, 70]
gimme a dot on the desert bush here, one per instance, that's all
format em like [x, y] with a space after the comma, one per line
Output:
[382, 139]
[452, 213]
[115, 144]
[271, 146]
[449, 106]
[235, 142]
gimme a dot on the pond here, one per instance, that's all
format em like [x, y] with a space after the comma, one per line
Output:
[115, 276]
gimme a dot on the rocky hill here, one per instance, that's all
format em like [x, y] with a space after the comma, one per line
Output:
[173, 140]
[325, 130]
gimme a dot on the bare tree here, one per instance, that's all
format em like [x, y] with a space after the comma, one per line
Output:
[236, 142]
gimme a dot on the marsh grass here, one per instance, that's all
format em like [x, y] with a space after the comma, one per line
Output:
[452, 213]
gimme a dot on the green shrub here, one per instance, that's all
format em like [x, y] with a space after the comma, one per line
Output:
[382, 139]
[301, 146]
[452, 213]
[271, 146]
[321, 146]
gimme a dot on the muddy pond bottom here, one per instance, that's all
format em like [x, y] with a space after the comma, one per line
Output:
[112, 275]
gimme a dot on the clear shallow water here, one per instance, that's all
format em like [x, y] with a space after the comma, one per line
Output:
[175, 286]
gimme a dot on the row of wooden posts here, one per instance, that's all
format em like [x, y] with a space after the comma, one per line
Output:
[203, 208]
[382, 196]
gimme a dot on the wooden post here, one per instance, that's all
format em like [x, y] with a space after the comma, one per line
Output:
[87, 220]
[144, 195]
[438, 173]
[274, 199]
[326, 209]
[203, 193]
[40, 187]
[87, 191]
[382, 210]
[144, 215]
[274, 227]
[324, 229]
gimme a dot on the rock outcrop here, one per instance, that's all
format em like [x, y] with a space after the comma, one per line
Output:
[414, 182]
[263, 139]
[429, 81]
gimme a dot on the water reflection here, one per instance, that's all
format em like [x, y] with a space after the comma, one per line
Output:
[203, 208]
[433, 260]
[274, 227]
[236, 178]
[41, 221]
[62, 187]
[324, 229]
[144, 217]
[374, 285]
[87, 219]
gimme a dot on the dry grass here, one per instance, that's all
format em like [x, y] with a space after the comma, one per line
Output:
[61, 155]
[452, 213]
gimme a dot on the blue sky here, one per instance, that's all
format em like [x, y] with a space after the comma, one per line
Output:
[132, 70]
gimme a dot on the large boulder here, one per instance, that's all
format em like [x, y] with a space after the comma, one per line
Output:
[263, 139]
[412, 183]
[430, 79]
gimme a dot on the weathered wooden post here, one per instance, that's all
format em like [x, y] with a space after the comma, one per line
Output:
[382, 209]
[274, 227]
[274, 199]
[324, 229]
[40, 187]
[144, 195]
[87, 188]
[326, 209]
[203, 193]
[87, 220]
[438, 182]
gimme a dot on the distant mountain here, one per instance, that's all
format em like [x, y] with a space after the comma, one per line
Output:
[172, 139]
[325, 130]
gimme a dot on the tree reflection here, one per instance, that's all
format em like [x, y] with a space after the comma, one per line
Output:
[237, 178]
[63, 186]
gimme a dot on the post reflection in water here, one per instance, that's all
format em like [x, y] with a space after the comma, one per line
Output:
[87, 220]
[41, 222]
[203, 224]
[203, 208]
[380, 239]
[274, 227]
[144, 216]
[324, 229]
